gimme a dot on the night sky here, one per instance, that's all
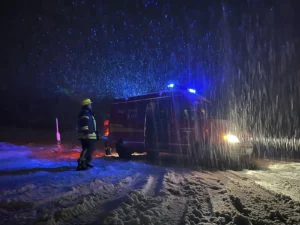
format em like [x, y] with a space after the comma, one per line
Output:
[74, 49]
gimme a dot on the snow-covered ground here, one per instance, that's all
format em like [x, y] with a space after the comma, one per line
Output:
[41, 186]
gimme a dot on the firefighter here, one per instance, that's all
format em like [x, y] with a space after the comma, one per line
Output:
[87, 134]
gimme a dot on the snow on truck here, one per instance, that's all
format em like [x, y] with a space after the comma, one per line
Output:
[174, 121]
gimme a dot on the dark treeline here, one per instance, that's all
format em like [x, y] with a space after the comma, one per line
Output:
[27, 111]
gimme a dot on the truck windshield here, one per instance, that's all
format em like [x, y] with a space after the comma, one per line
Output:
[202, 110]
[196, 111]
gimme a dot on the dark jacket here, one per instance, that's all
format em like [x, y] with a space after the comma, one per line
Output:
[87, 125]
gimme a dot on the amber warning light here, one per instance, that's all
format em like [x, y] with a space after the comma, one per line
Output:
[106, 128]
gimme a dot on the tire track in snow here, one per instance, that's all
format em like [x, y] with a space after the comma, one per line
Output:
[38, 195]
[258, 205]
[277, 182]
[200, 202]
[179, 199]
[139, 206]
[53, 191]
[120, 205]
[174, 204]
[86, 208]
[158, 202]
[75, 204]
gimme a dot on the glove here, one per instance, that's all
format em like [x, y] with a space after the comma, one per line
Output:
[97, 134]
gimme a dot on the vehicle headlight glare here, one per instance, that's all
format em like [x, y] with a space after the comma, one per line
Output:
[231, 138]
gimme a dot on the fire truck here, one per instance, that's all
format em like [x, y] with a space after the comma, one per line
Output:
[176, 120]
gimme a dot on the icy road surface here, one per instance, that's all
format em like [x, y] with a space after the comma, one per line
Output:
[39, 186]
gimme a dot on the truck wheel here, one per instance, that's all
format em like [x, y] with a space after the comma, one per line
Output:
[222, 158]
[252, 163]
[107, 151]
[248, 162]
[123, 152]
[211, 156]
[150, 144]
[202, 155]
[152, 155]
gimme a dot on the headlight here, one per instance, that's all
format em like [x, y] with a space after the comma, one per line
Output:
[231, 138]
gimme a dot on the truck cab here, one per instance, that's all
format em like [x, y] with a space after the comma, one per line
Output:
[173, 121]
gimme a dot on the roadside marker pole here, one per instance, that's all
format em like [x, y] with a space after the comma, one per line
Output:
[58, 136]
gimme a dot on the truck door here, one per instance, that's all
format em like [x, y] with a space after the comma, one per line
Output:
[183, 125]
[157, 122]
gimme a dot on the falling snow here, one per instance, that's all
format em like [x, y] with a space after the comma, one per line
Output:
[241, 56]
[133, 49]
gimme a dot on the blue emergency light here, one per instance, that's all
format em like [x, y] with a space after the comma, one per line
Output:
[179, 87]
[192, 90]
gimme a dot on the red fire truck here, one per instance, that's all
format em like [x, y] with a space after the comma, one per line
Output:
[177, 120]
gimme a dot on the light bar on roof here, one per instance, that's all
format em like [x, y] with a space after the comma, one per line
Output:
[192, 90]
[170, 85]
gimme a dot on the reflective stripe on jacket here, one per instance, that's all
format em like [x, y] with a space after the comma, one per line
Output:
[86, 125]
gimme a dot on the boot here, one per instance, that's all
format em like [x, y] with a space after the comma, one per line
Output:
[90, 165]
[81, 165]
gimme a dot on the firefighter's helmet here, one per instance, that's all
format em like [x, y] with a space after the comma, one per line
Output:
[86, 101]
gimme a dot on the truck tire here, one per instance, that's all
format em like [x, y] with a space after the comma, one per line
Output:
[123, 152]
[107, 151]
[150, 145]
[201, 155]
[248, 162]
[211, 156]
[152, 155]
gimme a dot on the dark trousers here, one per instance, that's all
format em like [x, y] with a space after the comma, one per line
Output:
[88, 147]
